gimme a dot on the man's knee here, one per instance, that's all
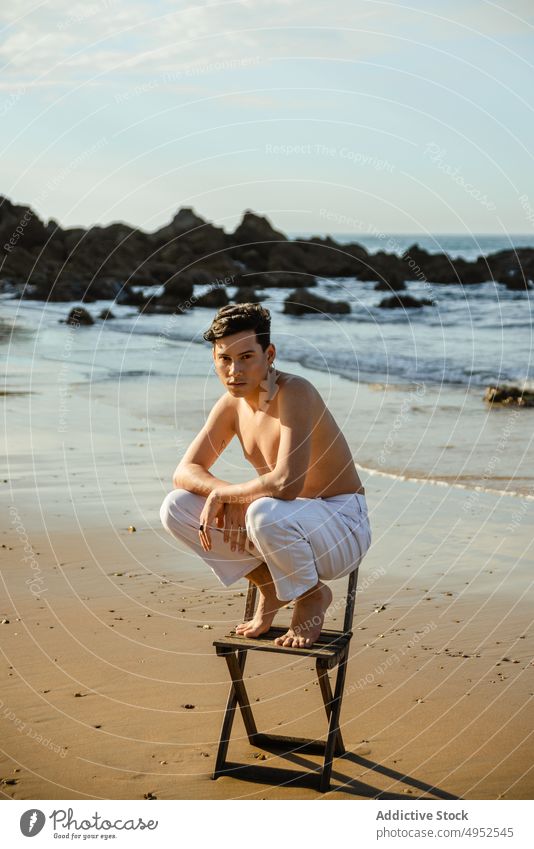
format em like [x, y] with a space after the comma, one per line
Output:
[176, 509]
[261, 515]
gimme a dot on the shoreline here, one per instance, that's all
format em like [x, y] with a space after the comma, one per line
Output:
[426, 426]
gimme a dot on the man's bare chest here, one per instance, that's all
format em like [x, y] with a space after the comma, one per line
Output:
[259, 434]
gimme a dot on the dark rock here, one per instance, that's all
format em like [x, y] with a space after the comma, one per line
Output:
[256, 231]
[217, 297]
[106, 315]
[513, 268]
[188, 235]
[275, 280]
[314, 256]
[185, 219]
[510, 396]
[55, 289]
[161, 271]
[129, 297]
[181, 285]
[107, 251]
[18, 265]
[20, 226]
[177, 294]
[250, 258]
[79, 316]
[514, 279]
[469, 273]
[393, 283]
[301, 301]
[440, 268]
[404, 302]
[383, 267]
[159, 305]
[105, 288]
[247, 295]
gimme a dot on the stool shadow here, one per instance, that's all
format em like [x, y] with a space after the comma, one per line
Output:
[281, 776]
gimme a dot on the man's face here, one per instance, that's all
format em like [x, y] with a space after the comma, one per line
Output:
[240, 362]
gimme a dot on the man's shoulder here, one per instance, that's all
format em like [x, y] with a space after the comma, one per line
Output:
[224, 407]
[294, 382]
[297, 388]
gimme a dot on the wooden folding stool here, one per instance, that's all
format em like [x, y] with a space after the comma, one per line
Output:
[329, 651]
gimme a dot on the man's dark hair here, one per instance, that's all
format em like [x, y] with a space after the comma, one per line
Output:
[237, 317]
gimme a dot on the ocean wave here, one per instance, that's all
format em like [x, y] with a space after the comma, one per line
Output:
[524, 494]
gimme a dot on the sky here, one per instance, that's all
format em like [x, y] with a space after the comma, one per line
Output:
[356, 116]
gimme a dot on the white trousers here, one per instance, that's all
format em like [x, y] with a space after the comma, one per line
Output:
[300, 540]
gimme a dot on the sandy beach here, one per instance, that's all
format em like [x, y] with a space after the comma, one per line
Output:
[107, 631]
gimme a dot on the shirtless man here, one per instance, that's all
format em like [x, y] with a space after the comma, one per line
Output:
[298, 451]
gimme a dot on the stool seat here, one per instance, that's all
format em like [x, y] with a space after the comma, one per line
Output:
[328, 646]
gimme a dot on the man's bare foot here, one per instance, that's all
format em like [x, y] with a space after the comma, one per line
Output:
[308, 618]
[268, 605]
[267, 609]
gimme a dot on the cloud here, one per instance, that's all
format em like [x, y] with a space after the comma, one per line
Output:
[123, 39]
[127, 38]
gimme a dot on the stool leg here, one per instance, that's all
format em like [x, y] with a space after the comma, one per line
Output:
[326, 692]
[228, 721]
[333, 728]
[236, 672]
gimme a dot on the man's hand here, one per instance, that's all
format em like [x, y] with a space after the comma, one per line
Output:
[234, 520]
[230, 516]
[212, 514]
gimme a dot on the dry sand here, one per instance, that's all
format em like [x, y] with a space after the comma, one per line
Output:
[110, 631]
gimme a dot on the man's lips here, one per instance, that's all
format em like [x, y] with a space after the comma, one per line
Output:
[242, 383]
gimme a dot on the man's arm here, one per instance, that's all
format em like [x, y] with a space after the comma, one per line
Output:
[286, 480]
[192, 472]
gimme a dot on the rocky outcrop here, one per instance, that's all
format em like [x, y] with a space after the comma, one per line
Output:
[215, 298]
[318, 257]
[256, 231]
[393, 283]
[247, 295]
[301, 301]
[440, 268]
[514, 269]
[188, 237]
[79, 316]
[275, 280]
[106, 315]
[396, 302]
[509, 396]
[45, 262]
